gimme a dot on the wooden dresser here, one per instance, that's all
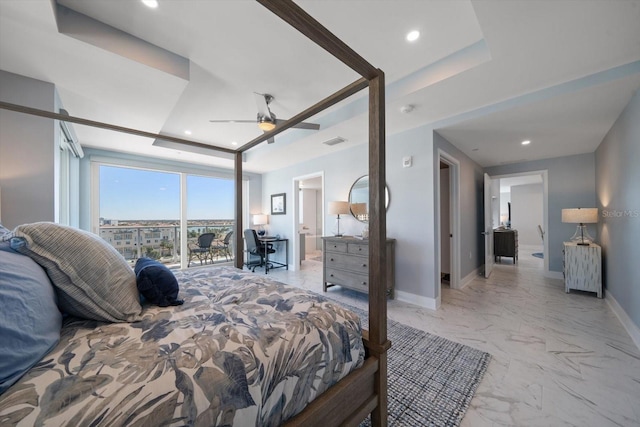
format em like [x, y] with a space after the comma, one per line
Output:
[346, 263]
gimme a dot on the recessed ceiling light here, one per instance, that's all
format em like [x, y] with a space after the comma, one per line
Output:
[413, 35]
[187, 132]
[150, 3]
[234, 143]
[527, 142]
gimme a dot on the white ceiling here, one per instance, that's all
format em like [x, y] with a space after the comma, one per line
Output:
[485, 74]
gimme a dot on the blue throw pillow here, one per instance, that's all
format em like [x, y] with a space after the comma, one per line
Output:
[29, 318]
[156, 283]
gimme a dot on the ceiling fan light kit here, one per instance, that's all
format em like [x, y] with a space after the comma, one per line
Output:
[265, 124]
[266, 120]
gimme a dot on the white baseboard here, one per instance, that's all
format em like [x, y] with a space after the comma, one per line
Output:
[426, 302]
[554, 275]
[470, 277]
[632, 329]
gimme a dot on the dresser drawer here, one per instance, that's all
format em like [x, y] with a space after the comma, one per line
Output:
[347, 262]
[358, 249]
[336, 247]
[348, 279]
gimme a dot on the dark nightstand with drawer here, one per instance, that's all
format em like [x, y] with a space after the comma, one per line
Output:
[505, 243]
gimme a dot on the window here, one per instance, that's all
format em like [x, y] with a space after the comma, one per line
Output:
[138, 205]
[139, 209]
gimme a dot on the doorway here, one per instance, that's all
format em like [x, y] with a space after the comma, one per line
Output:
[523, 206]
[308, 221]
[445, 225]
[448, 222]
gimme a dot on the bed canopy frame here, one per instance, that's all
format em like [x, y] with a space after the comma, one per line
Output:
[364, 391]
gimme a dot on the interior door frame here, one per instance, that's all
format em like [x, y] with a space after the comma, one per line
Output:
[454, 220]
[489, 255]
[295, 264]
[545, 209]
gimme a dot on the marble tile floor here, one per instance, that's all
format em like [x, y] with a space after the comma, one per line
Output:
[557, 359]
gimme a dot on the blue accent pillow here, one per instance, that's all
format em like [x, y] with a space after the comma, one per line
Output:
[29, 318]
[156, 283]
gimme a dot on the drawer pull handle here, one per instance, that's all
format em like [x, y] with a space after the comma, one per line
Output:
[359, 249]
[364, 265]
[331, 259]
[331, 275]
[364, 283]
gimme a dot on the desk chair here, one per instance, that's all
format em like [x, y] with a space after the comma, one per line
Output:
[256, 249]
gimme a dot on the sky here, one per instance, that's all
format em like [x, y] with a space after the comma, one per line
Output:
[127, 193]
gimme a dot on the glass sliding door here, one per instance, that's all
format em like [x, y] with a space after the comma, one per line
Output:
[210, 210]
[139, 212]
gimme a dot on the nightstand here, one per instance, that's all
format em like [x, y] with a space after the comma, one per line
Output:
[582, 267]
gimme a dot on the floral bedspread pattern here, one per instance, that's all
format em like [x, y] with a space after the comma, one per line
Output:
[243, 350]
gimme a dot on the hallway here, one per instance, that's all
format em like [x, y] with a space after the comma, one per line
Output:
[557, 358]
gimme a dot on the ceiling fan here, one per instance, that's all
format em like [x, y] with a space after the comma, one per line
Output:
[265, 119]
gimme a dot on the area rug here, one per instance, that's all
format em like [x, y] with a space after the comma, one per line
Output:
[538, 255]
[431, 379]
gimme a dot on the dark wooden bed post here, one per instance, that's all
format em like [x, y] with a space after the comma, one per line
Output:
[238, 241]
[378, 342]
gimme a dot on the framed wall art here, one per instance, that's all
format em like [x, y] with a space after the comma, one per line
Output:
[279, 204]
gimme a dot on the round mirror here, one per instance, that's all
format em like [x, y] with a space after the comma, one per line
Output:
[359, 199]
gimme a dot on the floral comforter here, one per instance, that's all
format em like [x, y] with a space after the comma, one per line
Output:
[243, 350]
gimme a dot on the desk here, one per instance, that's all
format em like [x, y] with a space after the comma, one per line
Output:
[270, 264]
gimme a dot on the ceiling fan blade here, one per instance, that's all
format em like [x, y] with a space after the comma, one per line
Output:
[232, 121]
[261, 103]
[303, 125]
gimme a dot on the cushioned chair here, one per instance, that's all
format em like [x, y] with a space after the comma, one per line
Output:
[256, 250]
[201, 249]
[222, 247]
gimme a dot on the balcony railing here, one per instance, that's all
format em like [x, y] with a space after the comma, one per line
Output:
[161, 242]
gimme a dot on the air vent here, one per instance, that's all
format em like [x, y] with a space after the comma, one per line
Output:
[334, 141]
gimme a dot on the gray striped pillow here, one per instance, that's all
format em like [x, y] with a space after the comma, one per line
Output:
[91, 278]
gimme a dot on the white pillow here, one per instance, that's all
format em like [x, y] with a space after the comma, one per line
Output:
[92, 279]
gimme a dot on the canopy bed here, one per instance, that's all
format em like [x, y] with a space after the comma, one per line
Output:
[363, 391]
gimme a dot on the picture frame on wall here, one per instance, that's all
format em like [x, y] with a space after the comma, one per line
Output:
[279, 204]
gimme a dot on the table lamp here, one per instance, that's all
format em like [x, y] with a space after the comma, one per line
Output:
[581, 216]
[338, 208]
[261, 220]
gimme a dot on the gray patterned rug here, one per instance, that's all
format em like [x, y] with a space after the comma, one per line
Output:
[431, 379]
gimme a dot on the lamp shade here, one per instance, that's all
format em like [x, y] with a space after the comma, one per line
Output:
[580, 215]
[338, 208]
[260, 219]
[359, 208]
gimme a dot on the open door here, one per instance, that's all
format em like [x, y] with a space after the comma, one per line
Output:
[488, 226]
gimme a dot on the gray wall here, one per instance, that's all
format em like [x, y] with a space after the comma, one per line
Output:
[572, 184]
[471, 206]
[27, 152]
[410, 216]
[526, 213]
[618, 194]
[411, 212]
